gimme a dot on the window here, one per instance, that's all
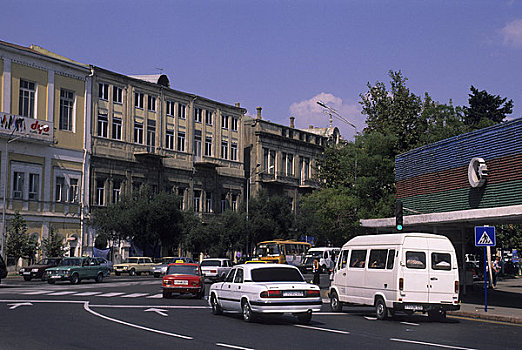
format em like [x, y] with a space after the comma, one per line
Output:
[239, 276]
[276, 274]
[181, 141]
[138, 100]
[234, 124]
[18, 185]
[269, 161]
[224, 203]
[377, 258]
[304, 165]
[181, 194]
[169, 139]
[116, 191]
[197, 200]
[343, 259]
[224, 149]
[198, 112]
[151, 133]
[233, 151]
[26, 99]
[181, 110]
[358, 258]
[66, 109]
[441, 261]
[287, 164]
[208, 146]
[100, 192]
[234, 202]
[103, 91]
[34, 185]
[391, 258]
[208, 202]
[138, 132]
[170, 108]
[197, 143]
[116, 128]
[151, 105]
[117, 94]
[224, 121]
[73, 191]
[209, 117]
[416, 260]
[103, 123]
[59, 193]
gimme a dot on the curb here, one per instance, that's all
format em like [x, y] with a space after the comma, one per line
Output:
[484, 316]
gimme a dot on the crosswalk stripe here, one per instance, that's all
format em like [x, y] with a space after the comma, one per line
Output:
[37, 292]
[155, 296]
[108, 295]
[85, 294]
[134, 295]
[61, 293]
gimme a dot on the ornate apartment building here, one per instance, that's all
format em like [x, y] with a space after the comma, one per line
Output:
[43, 135]
[281, 159]
[146, 133]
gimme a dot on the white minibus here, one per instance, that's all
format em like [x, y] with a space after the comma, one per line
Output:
[403, 272]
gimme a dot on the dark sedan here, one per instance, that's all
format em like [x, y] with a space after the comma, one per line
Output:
[38, 270]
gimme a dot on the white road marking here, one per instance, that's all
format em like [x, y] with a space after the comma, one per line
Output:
[322, 329]
[109, 295]
[87, 308]
[62, 293]
[370, 318]
[410, 324]
[134, 295]
[14, 306]
[158, 311]
[38, 292]
[85, 294]
[329, 314]
[155, 296]
[430, 344]
[157, 306]
[233, 346]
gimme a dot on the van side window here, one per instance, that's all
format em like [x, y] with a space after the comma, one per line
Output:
[343, 259]
[377, 258]
[391, 259]
[416, 260]
[358, 258]
[440, 261]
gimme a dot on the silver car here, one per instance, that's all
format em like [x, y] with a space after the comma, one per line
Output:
[160, 269]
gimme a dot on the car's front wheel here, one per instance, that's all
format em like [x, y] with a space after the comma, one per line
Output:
[335, 304]
[216, 309]
[75, 279]
[248, 314]
[132, 272]
[99, 278]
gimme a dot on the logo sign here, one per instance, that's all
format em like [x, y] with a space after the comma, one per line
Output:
[485, 236]
[16, 125]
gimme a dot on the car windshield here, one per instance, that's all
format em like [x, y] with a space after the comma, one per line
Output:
[183, 270]
[44, 262]
[130, 261]
[71, 262]
[270, 249]
[211, 263]
[276, 274]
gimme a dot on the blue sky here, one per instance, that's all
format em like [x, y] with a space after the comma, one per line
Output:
[286, 55]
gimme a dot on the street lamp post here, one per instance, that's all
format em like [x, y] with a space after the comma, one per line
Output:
[247, 205]
[344, 120]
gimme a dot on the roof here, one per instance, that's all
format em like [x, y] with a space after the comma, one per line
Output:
[160, 79]
[390, 238]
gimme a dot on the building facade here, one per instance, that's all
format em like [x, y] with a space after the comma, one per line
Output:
[44, 101]
[146, 133]
[280, 159]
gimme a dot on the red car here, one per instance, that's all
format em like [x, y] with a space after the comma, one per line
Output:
[183, 278]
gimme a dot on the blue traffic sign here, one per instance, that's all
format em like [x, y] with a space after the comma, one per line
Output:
[485, 236]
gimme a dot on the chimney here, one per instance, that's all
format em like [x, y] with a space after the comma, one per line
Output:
[310, 127]
[238, 104]
[292, 124]
[259, 112]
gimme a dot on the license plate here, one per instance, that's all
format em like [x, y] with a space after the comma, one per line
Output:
[292, 293]
[413, 307]
[55, 276]
[181, 282]
[26, 273]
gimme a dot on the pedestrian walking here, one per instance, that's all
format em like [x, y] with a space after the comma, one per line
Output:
[496, 270]
[317, 272]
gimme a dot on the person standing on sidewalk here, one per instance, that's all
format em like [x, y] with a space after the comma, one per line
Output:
[317, 272]
[496, 270]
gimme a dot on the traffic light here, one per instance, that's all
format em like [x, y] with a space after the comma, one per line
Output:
[398, 215]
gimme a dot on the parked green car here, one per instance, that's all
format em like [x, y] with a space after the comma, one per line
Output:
[77, 269]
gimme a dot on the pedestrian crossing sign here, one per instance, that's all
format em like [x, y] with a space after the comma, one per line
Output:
[485, 236]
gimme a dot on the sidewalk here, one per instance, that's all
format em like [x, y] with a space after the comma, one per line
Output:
[504, 302]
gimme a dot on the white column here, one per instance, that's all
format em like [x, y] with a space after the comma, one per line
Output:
[50, 95]
[7, 86]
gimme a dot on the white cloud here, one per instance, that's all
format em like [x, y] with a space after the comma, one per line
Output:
[308, 112]
[512, 33]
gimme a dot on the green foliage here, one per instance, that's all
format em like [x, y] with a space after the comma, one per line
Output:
[146, 218]
[52, 246]
[485, 109]
[19, 244]
[509, 237]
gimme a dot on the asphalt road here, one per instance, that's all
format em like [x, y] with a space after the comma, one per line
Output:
[130, 313]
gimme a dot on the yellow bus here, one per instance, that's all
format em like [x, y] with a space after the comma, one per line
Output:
[282, 251]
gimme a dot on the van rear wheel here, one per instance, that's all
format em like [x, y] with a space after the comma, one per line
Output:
[380, 309]
[335, 304]
[437, 315]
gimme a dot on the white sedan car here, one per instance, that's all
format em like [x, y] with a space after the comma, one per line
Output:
[254, 289]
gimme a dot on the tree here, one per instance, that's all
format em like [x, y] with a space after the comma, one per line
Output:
[52, 246]
[440, 121]
[485, 109]
[19, 244]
